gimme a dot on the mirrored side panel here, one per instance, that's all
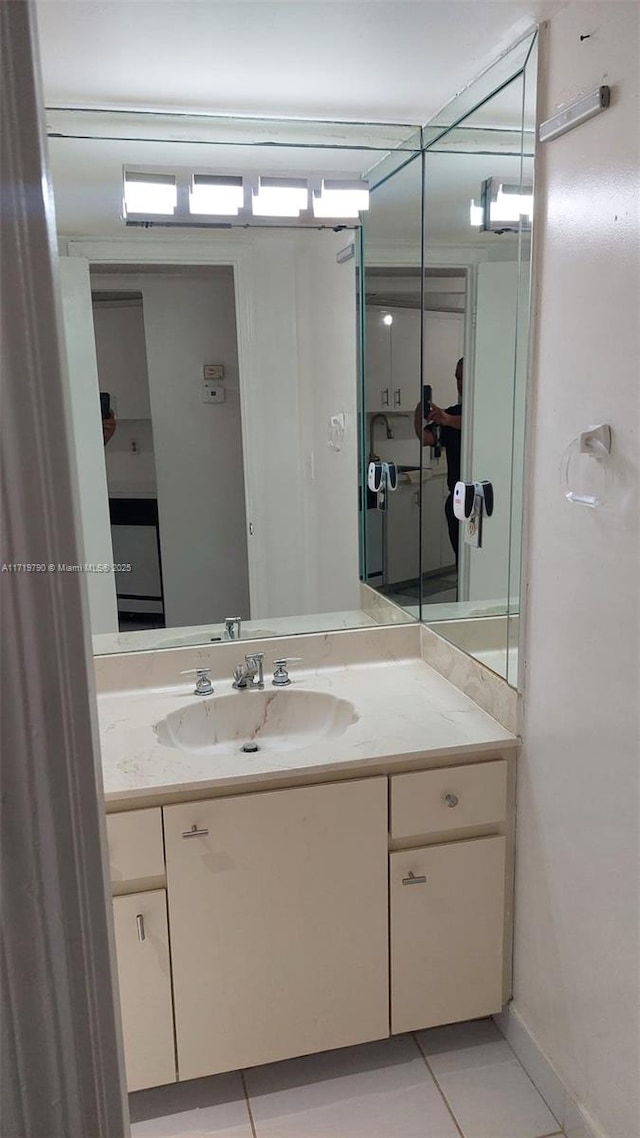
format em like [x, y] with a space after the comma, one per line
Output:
[522, 353]
[478, 195]
[391, 466]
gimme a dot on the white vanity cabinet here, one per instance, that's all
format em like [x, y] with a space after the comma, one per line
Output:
[447, 898]
[136, 859]
[278, 920]
[263, 925]
[144, 980]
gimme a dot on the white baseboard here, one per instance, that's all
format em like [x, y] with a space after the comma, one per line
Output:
[572, 1118]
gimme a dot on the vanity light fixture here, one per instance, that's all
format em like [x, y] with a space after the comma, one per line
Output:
[505, 207]
[218, 199]
[280, 197]
[340, 198]
[387, 318]
[150, 193]
[218, 194]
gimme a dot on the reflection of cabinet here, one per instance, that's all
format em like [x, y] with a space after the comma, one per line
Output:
[403, 534]
[393, 359]
[378, 361]
[405, 359]
[436, 551]
[278, 924]
[403, 530]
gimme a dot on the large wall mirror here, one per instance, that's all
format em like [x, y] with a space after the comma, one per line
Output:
[239, 497]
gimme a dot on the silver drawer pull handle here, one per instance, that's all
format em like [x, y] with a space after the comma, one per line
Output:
[451, 799]
[140, 923]
[194, 832]
[413, 880]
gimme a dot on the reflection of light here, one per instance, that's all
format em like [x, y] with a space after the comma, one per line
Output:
[476, 213]
[280, 197]
[216, 194]
[150, 193]
[387, 318]
[340, 199]
[510, 206]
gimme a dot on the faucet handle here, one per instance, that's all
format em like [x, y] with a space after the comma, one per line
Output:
[203, 683]
[281, 678]
[254, 658]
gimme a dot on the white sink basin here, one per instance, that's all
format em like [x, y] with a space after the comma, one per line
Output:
[273, 720]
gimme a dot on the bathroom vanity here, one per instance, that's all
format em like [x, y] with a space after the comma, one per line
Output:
[288, 901]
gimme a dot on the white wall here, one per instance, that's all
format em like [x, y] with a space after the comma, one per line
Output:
[190, 321]
[82, 378]
[576, 944]
[326, 332]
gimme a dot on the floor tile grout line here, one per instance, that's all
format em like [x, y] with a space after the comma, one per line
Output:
[553, 1134]
[438, 1087]
[551, 1112]
[254, 1133]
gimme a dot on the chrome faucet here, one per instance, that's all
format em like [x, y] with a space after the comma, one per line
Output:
[372, 426]
[251, 677]
[232, 626]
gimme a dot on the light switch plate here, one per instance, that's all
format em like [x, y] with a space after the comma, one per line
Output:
[213, 393]
[213, 371]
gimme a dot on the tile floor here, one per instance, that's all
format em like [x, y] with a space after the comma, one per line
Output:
[462, 1081]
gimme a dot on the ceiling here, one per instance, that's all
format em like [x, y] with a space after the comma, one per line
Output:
[393, 60]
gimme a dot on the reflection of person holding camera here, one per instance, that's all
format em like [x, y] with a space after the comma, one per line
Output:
[108, 427]
[108, 417]
[449, 434]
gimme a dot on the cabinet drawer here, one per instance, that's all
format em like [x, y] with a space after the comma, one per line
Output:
[448, 798]
[135, 845]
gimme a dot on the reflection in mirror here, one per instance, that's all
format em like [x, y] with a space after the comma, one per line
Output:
[247, 495]
[231, 492]
[491, 147]
[447, 308]
[392, 248]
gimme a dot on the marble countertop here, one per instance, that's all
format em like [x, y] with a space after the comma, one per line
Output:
[405, 710]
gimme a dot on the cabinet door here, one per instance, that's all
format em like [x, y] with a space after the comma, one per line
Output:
[144, 978]
[279, 929]
[403, 534]
[405, 359]
[432, 516]
[378, 361]
[447, 931]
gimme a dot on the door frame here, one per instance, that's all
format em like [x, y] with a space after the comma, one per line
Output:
[183, 251]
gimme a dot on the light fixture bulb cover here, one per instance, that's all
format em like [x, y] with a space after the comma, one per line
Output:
[216, 194]
[280, 197]
[150, 193]
[340, 198]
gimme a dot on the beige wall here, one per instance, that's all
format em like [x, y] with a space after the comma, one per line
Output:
[576, 951]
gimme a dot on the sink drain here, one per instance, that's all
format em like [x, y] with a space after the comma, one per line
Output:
[249, 748]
